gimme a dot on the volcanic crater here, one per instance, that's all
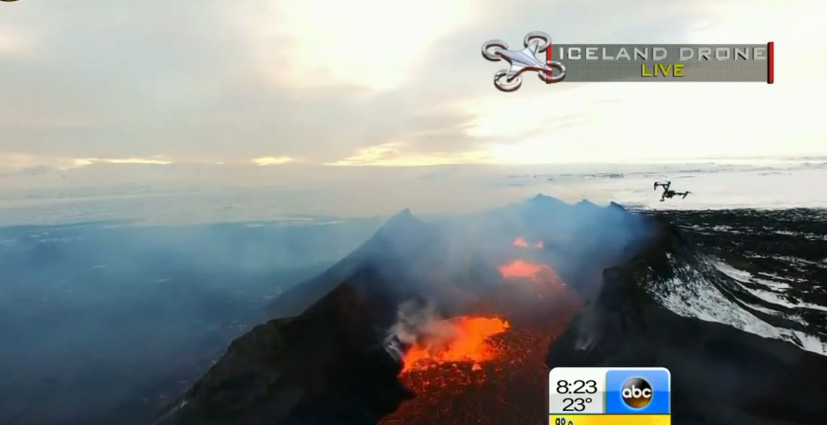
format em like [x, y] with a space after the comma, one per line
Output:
[458, 322]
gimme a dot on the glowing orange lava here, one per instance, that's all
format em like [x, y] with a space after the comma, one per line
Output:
[491, 372]
[520, 242]
[511, 388]
[466, 340]
[521, 269]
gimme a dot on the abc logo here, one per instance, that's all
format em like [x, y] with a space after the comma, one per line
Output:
[636, 393]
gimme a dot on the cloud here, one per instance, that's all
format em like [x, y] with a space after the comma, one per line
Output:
[368, 43]
[382, 83]
[394, 154]
[12, 162]
[82, 162]
[7, 43]
[272, 160]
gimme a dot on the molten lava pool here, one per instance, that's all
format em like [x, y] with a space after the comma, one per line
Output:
[464, 340]
[507, 387]
[487, 368]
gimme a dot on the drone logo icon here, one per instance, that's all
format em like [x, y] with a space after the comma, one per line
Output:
[519, 61]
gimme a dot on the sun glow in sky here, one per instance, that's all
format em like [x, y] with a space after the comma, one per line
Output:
[368, 43]
[275, 82]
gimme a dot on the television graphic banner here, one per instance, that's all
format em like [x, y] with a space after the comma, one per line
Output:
[581, 63]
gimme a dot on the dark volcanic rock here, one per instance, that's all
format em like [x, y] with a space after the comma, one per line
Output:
[720, 375]
[403, 236]
[323, 365]
[327, 363]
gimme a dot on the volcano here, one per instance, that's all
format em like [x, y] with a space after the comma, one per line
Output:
[459, 321]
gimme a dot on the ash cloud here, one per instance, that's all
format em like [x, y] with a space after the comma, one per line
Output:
[416, 324]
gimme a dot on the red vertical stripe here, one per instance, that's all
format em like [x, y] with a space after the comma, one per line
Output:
[770, 62]
[548, 59]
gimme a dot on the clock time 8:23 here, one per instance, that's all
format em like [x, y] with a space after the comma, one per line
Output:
[576, 388]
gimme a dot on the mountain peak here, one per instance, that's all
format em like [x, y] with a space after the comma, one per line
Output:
[541, 199]
[587, 203]
[404, 214]
[615, 205]
[402, 226]
[401, 233]
[403, 218]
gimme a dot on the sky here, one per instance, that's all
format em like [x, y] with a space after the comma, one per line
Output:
[272, 83]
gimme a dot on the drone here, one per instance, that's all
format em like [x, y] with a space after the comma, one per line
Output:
[667, 193]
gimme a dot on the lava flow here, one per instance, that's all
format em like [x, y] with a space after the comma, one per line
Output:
[521, 269]
[461, 340]
[491, 371]
[538, 279]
